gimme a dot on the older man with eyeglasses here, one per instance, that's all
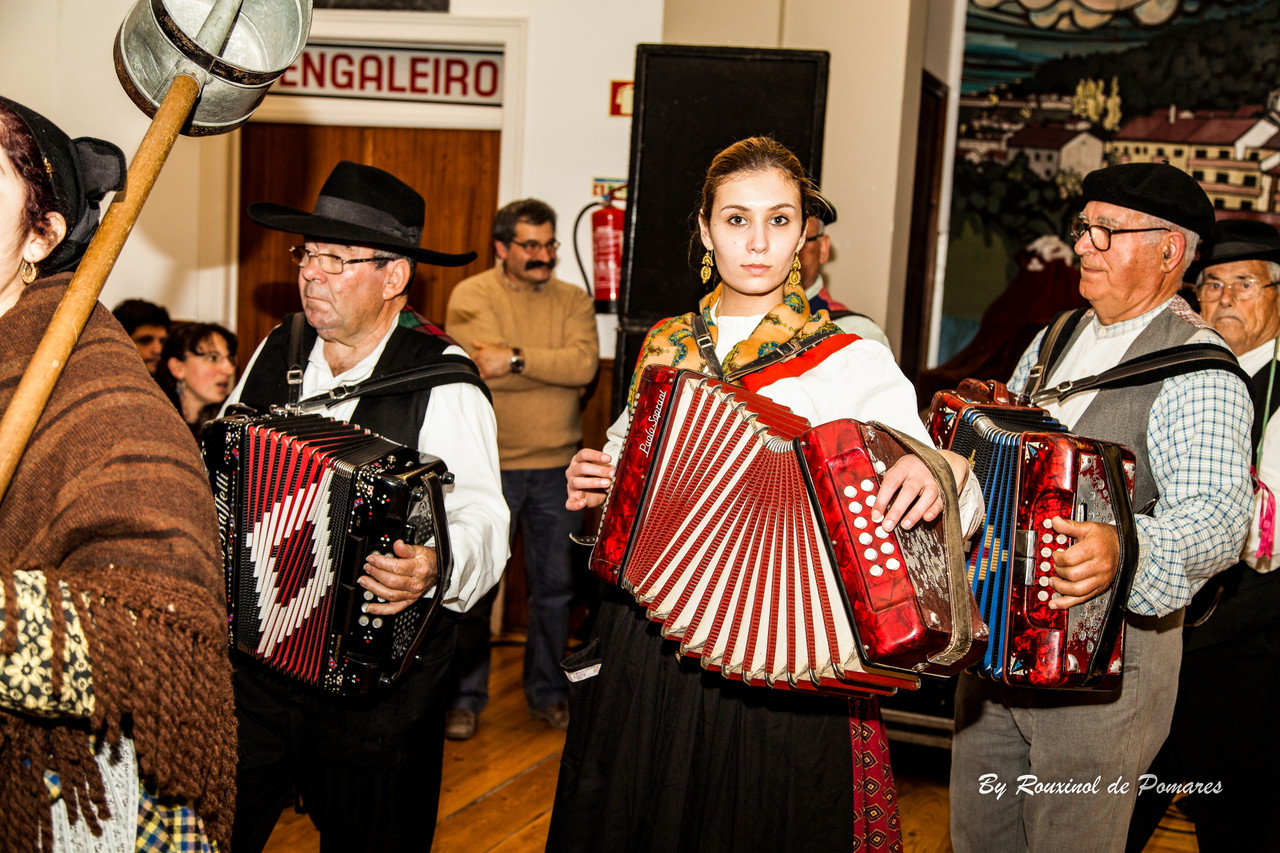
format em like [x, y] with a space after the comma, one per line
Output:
[368, 768]
[1136, 236]
[533, 337]
[1231, 643]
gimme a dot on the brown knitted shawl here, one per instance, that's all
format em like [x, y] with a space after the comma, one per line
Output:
[111, 499]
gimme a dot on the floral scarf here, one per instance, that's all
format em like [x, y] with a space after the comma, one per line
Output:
[672, 341]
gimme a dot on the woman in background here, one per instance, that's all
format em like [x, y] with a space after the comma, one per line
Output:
[661, 755]
[198, 370]
[116, 725]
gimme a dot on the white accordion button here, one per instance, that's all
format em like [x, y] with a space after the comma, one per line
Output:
[875, 571]
[855, 507]
[891, 564]
[880, 467]
[1044, 565]
[871, 553]
[1046, 552]
[867, 485]
[859, 522]
[1048, 523]
[1042, 595]
[865, 538]
[1044, 581]
[364, 621]
[871, 500]
[377, 623]
[881, 532]
[368, 596]
[1062, 539]
[886, 547]
[850, 492]
[1047, 538]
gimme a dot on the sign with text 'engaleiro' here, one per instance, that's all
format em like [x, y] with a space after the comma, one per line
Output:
[430, 74]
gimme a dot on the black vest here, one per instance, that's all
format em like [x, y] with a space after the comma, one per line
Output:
[396, 416]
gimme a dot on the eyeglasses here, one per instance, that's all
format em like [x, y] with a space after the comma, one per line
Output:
[1100, 235]
[1245, 290]
[533, 246]
[215, 357]
[329, 264]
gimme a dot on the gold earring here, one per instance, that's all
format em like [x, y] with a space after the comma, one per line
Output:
[794, 278]
[706, 267]
[29, 272]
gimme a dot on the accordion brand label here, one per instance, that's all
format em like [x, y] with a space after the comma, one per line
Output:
[651, 428]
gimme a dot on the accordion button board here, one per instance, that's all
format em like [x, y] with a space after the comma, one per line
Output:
[1031, 471]
[750, 538]
[302, 500]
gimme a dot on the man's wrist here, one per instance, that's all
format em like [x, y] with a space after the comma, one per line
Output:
[517, 360]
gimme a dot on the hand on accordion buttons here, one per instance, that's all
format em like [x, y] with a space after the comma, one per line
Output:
[401, 579]
[589, 475]
[1087, 568]
[911, 493]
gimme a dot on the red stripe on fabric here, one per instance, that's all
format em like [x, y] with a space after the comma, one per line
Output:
[801, 363]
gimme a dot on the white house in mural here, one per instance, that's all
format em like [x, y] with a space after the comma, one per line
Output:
[1057, 148]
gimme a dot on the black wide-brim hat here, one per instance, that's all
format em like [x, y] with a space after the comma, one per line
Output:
[361, 206]
[1238, 240]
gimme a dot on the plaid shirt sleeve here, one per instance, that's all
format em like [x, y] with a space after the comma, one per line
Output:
[1198, 444]
[1198, 438]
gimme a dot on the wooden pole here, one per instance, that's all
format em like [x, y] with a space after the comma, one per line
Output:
[33, 392]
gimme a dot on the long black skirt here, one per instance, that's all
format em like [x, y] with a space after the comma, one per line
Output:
[664, 756]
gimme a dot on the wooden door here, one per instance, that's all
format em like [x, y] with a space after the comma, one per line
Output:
[456, 171]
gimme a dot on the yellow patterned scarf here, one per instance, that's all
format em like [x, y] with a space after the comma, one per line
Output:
[672, 341]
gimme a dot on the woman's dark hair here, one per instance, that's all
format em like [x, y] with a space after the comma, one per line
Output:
[758, 154]
[20, 147]
[187, 339]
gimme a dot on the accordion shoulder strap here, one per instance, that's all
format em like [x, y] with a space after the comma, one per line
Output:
[297, 334]
[1152, 367]
[793, 347]
[1051, 347]
[953, 542]
[447, 370]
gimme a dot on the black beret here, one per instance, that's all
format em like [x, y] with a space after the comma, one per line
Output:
[1157, 189]
[81, 171]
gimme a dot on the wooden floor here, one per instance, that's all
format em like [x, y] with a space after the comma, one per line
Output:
[497, 788]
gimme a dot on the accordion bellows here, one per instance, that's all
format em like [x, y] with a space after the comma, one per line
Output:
[1031, 470]
[749, 537]
[302, 500]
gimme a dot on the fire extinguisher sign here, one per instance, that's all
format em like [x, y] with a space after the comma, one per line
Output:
[621, 97]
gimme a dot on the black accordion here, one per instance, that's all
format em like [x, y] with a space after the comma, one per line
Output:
[302, 500]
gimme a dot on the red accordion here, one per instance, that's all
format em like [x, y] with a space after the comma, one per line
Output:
[748, 535]
[302, 500]
[1032, 470]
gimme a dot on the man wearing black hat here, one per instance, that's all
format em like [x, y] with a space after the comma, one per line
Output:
[814, 253]
[1136, 236]
[368, 769]
[1231, 642]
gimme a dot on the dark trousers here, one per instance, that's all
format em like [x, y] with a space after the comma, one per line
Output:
[536, 499]
[367, 769]
[1224, 731]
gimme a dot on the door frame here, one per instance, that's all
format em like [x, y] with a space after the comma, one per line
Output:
[220, 234]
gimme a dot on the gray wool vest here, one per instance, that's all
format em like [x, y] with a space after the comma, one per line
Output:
[1121, 415]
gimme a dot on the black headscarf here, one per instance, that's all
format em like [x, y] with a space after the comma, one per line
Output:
[81, 171]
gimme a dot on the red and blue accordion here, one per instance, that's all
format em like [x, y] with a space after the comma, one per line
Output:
[1032, 470]
[749, 536]
[302, 500]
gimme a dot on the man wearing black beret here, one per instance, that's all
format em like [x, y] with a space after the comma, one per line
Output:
[1136, 236]
[1231, 642]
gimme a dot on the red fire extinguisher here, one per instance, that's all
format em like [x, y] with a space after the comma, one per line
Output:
[606, 251]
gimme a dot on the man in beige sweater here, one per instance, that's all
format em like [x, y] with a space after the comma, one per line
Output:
[534, 339]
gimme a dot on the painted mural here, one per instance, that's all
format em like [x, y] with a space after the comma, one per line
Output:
[1053, 89]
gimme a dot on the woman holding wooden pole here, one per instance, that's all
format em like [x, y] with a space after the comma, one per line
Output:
[115, 701]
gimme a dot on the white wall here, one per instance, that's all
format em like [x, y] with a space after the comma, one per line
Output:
[181, 252]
